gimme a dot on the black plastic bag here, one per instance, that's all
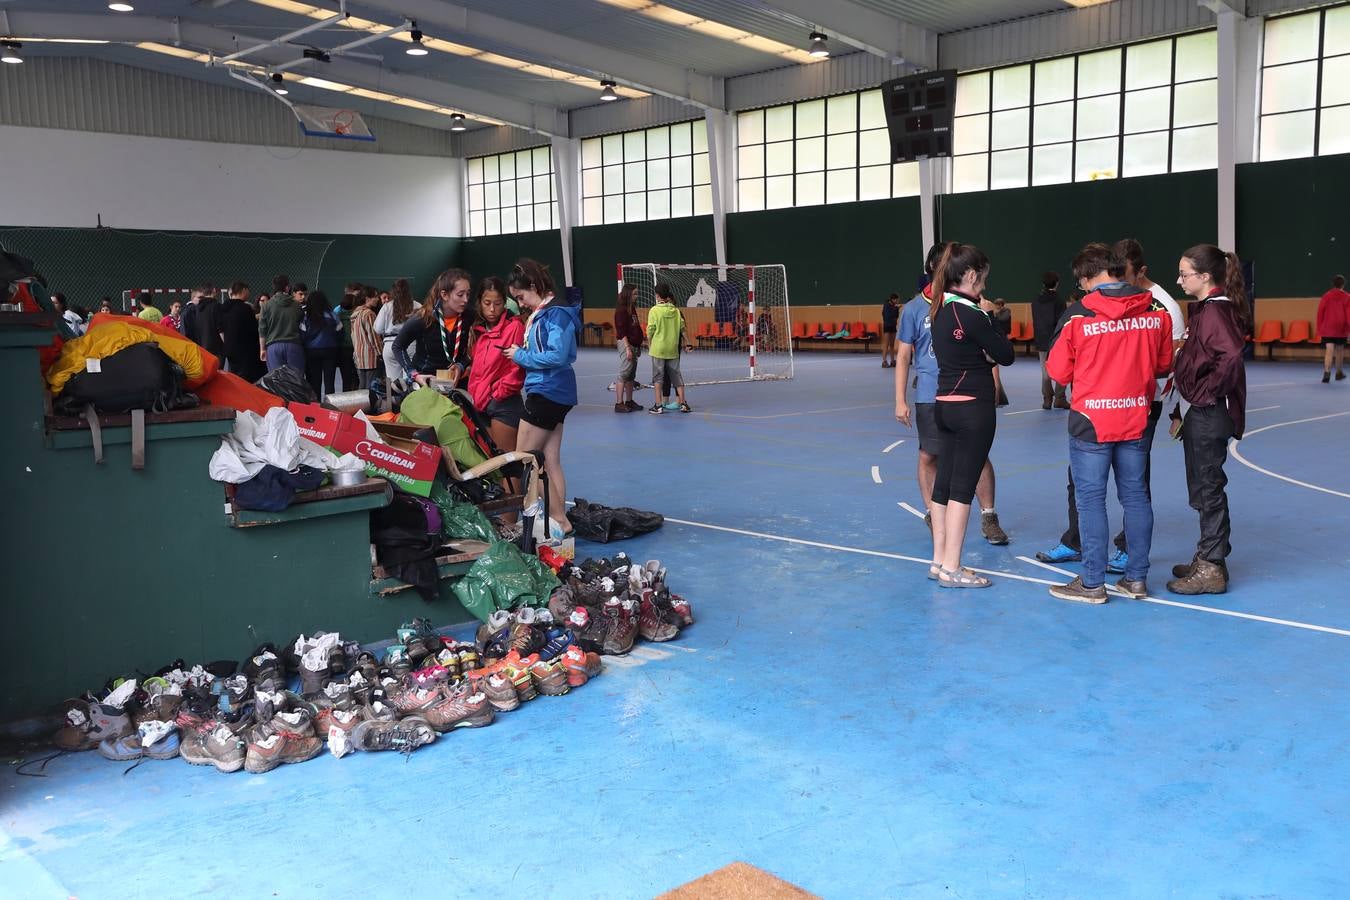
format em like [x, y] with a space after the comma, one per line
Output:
[603, 524]
[288, 384]
[140, 376]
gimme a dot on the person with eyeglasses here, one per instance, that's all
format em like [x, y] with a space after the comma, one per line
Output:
[1211, 377]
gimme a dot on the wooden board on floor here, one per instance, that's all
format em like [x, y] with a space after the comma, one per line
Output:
[738, 881]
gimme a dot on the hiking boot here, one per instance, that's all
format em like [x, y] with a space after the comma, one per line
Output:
[526, 638]
[499, 690]
[428, 677]
[90, 723]
[651, 626]
[992, 531]
[1075, 590]
[682, 609]
[581, 666]
[550, 678]
[153, 739]
[220, 747]
[1062, 403]
[1118, 562]
[262, 664]
[556, 640]
[632, 407]
[288, 738]
[380, 707]
[159, 701]
[561, 603]
[1326, 378]
[404, 736]
[1045, 402]
[1181, 570]
[621, 408]
[415, 700]
[1205, 578]
[621, 627]
[518, 670]
[461, 707]
[1340, 376]
[1135, 589]
[1060, 553]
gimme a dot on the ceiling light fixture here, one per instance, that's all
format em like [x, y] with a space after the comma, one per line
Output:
[280, 88]
[818, 48]
[121, 7]
[10, 52]
[416, 48]
[607, 91]
[457, 122]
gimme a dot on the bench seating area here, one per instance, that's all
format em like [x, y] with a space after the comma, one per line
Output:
[820, 334]
[1272, 333]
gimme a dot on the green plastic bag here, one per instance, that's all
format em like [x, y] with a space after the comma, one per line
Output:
[504, 578]
[429, 407]
[460, 520]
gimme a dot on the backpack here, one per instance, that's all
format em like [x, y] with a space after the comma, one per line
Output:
[137, 379]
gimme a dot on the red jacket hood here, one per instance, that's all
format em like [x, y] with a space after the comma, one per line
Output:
[1118, 302]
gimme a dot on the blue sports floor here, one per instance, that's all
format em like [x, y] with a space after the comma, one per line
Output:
[833, 717]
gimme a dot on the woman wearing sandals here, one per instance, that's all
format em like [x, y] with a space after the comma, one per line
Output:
[550, 384]
[1211, 378]
[967, 344]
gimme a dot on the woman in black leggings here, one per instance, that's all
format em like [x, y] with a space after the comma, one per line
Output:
[966, 343]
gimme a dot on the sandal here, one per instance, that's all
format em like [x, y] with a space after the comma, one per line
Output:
[933, 570]
[963, 578]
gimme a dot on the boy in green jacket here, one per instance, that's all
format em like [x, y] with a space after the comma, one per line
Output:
[665, 335]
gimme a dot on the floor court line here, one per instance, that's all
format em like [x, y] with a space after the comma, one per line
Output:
[909, 509]
[891, 447]
[876, 474]
[1288, 623]
[1237, 455]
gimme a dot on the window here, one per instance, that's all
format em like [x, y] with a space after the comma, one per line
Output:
[512, 192]
[1141, 109]
[832, 150]
[1305, 85]
[656, 173]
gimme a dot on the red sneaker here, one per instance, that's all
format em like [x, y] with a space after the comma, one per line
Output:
[581, 666]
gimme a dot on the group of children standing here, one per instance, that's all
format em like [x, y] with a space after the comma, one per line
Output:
[1111, 349]
[665, 338]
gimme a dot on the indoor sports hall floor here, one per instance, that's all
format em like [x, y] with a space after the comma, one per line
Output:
[833, 716]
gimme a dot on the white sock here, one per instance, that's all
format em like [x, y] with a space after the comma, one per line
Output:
[987, 512]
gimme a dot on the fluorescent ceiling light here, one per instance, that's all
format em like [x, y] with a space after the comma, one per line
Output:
[121, 7]
[33, 40]
[356, 23]
[1083, 3]
[457, 122]
[671, 16]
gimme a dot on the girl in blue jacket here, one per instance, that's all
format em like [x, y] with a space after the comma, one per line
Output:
[550, 384]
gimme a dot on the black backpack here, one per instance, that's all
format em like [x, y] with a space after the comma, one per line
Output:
[141, 376]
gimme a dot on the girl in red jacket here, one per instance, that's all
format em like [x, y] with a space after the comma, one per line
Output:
[495, 381]
[1333, 325]
[1211, 377]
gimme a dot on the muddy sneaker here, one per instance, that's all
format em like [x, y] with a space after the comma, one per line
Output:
[288, 738]
[589, 627]
[1075, 590]
[405, 735]
[556, 640]
[158, 699]
[651, 625]
[992, 531]
[561, 603]
[621, 627]
[220, 747]
[1204, 578]
[415, 700]
[581, 666]
[499, 690]
[682, 609]
[550, 678]
[264, 663]
[518, 670]
[380, 707]
[462, 707]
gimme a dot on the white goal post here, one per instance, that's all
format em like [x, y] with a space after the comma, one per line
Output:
[737, 317]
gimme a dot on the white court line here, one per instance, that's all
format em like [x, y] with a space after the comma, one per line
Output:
[1233, 449]
[805, 412]
[1263, 408]
[914, 559]
[876, 474]
[909, 509]
[891, 447]
[1023, 412]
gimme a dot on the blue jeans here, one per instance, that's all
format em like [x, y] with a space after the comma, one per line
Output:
[1090, 463]
[286, 353]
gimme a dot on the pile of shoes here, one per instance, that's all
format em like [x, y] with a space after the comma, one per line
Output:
[608, 604]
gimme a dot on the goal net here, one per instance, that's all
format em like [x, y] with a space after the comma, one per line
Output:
[736, 317]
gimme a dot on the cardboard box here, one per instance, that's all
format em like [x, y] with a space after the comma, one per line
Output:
[409, 464]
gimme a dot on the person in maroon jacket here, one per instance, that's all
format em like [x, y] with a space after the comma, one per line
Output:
[628, 337]
[1333, 326]
[1112, 349]
[1211, 377]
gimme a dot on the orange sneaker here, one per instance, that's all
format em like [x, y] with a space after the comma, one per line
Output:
[518, 670]
[550, 678]
[581, 666]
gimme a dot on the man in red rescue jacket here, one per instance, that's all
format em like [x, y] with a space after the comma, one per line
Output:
[1114, 344]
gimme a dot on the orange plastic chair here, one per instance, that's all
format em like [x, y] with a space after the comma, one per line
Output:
[799, 331]
[1269, 335]
[704, 330]
[726, 330]
[1300, 332]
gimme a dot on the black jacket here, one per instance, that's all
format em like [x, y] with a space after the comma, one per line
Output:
[1046, 311]
[965, 339]
[206, 326]
[240, 328]
[436, 348]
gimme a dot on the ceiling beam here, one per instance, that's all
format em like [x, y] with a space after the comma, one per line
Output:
[452, 22]
[540, 118]
[1218, 6]
[866, 29]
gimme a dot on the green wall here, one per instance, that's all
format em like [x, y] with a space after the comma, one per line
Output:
[842, 254]
[1294, 223]
[597, 248]
[484, 256]
[89, 263]
[1029, 230]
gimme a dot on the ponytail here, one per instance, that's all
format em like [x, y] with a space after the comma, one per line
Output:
[1235, 288]
[939, 283]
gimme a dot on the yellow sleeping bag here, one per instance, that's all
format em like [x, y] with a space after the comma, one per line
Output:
[108, 334]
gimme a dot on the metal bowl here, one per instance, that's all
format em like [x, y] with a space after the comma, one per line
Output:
[348, 477]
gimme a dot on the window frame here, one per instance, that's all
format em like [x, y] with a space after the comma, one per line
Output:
[1318, 107]
[670, 156]
[515, 207]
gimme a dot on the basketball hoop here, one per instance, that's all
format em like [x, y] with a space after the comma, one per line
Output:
[341, 121]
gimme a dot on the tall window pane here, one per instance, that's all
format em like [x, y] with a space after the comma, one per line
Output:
[1145, 154]
[1287, 136]
[1291, 87]
[1012, 87]
[502, 186]
[1054, 80]
[1099, 73]
[1291, 38]
[1148, 65]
